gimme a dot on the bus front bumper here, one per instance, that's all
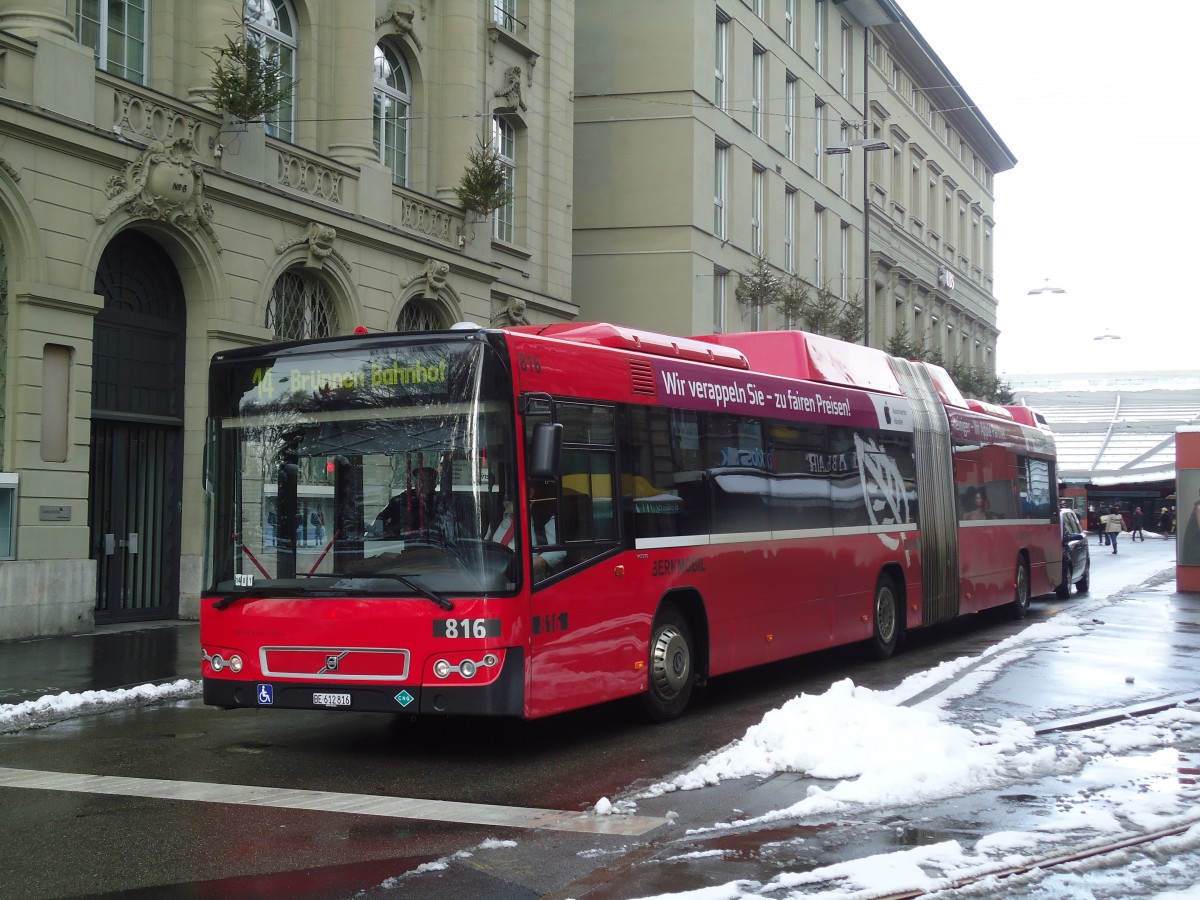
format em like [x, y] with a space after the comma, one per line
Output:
[504, 696]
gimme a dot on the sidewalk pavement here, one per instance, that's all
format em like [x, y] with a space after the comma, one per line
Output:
[106, 659]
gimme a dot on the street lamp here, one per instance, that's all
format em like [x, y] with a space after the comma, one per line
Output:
[1047, 288]
[867, 145]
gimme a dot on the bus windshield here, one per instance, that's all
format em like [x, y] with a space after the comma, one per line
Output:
[364, 469]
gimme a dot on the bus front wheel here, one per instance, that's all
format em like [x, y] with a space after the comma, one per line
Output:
[672, 666]
[886, 629]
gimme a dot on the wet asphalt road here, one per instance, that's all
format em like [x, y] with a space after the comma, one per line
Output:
[64, 843]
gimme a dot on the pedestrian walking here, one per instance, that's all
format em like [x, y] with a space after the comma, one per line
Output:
[1136, 527]
[1097, 523]
[1114, 526]
[1164, 523]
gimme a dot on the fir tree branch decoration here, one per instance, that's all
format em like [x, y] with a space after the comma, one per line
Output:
[759, 288]
[483, 188]
[248, 81]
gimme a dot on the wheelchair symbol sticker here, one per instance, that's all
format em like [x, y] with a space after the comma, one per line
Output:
[266, 695]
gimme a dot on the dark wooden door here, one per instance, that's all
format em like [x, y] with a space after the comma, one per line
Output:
[136, 478]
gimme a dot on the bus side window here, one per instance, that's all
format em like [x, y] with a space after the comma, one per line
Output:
[575, 518]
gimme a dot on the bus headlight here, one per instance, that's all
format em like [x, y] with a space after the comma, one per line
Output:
[466, 669]
[442, 669]
[220, 659]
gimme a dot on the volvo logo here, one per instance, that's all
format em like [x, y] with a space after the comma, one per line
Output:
[331, 662]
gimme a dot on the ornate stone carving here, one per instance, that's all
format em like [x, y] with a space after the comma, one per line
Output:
[166, 182]
[437, 273]
[145, 118]
[8, 170]
[425, 219]
[511, 90]
[401, 18]
[319, 239]
[511, 313]
[436, 276]
[301, 174]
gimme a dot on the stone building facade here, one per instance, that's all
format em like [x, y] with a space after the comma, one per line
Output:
[141, 231]
[702, 132]
[655, 149]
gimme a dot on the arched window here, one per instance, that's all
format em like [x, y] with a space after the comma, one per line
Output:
[300, 307]
[392, 105]
[271, 29]
[417, 315]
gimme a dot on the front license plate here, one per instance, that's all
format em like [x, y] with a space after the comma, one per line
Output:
[331, 699]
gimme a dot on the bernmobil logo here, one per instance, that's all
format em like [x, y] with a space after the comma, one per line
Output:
[677, 566]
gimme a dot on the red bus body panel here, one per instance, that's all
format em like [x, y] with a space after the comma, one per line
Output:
[584, 638]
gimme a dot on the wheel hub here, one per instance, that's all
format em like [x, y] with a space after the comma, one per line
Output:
[670, 665]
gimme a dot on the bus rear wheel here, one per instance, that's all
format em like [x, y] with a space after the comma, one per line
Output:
[672, 666]
[1020, 603]
[886, 615]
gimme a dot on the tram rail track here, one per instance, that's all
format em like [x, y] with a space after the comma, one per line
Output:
[1052, 861]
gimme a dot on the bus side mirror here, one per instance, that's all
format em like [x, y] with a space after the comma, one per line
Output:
[545, 449]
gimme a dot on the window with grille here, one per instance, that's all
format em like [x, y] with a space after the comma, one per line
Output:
[271, 30]
[116, 32]
[419, 316]
[391, 112]
[300, 307]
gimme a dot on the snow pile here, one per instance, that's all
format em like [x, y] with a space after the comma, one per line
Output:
[848, 734]
[54, 708]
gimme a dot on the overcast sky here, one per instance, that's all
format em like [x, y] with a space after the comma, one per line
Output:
[1094, 100]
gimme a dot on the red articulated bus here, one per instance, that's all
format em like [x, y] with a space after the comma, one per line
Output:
[528, 520]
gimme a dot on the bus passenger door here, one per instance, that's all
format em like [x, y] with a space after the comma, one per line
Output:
[583, 642]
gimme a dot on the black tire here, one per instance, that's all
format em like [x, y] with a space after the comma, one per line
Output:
[885, 619]
[1063, 591]
[672, 672]
[1081, 586]
[1020, 603]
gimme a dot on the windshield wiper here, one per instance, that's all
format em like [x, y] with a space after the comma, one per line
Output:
[262, 593]
[426, 592]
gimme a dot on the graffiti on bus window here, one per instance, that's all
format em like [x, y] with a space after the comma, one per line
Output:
[885, 489]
